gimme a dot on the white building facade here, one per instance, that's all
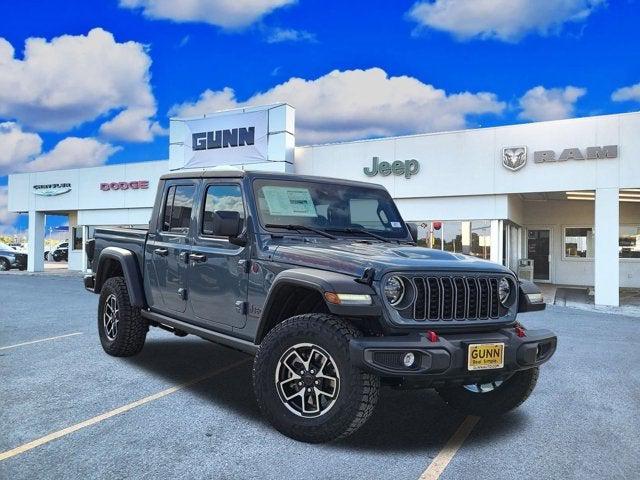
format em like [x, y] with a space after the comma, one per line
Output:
[564, 194]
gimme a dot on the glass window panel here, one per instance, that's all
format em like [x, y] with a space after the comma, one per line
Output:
[629, 242]
[452, 236]
[579, 242]
[481, 239]
[76, 233]
[221, 198]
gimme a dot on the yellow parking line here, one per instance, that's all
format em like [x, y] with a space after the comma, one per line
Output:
[445, 456]
[125, 408]
[41, 340]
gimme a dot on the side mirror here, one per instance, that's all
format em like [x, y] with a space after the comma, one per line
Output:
[530, 297]
[413, 230]
[226, 223]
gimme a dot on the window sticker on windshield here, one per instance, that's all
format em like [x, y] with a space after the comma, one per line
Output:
[289, 201]
[396, 224]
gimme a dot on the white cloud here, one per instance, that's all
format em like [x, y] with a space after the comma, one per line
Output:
[627, 94]
[73, 152]
[540, 104]
[21, 151]
[133, 125]
[507, 20]
[352, 104]
[278, 35]
[223, 13]
[72, 79]
[16, 147]
[6, 217]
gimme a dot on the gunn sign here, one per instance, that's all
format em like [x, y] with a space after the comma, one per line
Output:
[408, 168]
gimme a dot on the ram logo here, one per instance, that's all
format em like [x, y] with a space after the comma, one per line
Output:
[514, 158]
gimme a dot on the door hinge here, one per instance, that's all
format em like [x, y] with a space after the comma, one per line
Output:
[241, 307]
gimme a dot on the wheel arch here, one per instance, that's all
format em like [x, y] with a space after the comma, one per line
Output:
[116, 262]
[301, 290]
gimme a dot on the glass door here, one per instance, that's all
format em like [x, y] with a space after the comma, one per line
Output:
[539, 250]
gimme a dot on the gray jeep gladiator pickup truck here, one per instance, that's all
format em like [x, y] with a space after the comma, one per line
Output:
[322, 282]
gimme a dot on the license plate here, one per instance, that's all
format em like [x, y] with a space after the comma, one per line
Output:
[485, 356]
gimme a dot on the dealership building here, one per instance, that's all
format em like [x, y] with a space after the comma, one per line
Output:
[558, 201]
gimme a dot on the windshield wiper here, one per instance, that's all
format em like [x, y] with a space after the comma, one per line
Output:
[361, 231]
[291, 226]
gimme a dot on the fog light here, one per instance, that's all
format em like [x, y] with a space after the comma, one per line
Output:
[408, 359]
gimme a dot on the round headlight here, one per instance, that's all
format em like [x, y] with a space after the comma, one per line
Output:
[394, 290]
[504, 290]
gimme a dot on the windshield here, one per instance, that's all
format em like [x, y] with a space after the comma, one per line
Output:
[328, 206]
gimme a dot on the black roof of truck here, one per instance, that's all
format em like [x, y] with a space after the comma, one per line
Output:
[259, 174]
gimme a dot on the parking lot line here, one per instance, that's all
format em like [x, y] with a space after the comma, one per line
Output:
[41, 340]
[437, 466]
[112, 413]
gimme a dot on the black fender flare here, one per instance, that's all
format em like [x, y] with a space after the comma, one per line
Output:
[524, 303]
[130, 269]
[321, 281]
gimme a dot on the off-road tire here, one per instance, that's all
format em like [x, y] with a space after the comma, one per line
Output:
[132, 328]
[358, 393]
[509, 395]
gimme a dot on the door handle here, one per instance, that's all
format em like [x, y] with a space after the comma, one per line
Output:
[183, 256]
[197, 257]
[163, 252]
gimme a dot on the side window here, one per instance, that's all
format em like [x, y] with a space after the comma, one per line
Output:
[177, 209]
[221, 198]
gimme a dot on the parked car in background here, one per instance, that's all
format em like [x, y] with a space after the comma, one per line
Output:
[18, 247]
[61, 253]
[58, 253]
[10, 258]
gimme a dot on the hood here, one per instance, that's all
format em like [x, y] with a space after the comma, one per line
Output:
[352, 258]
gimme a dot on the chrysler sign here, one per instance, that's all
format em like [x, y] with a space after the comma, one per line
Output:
[52, 189]
[514, 158]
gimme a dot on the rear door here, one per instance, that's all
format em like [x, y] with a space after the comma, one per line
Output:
[218, 272]
[168, 246]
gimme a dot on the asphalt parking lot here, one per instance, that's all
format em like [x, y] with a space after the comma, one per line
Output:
[582, 421]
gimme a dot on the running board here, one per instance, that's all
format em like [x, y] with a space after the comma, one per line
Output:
[216, 337]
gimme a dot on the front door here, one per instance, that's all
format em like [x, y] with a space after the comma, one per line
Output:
[218, 272]
[168, 246]
[538, 250]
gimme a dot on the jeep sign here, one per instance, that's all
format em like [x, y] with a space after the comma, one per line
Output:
[408, 168]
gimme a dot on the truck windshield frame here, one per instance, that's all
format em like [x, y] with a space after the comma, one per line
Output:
[328, 207]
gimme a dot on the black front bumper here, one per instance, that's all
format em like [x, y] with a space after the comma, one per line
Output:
[446, 358]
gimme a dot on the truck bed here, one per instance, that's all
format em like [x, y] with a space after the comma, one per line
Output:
[133, 239]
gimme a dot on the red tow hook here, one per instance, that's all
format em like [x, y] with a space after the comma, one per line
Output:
[432, 336]
[520, 331]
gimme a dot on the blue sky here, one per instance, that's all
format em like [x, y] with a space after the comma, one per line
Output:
[100, 84]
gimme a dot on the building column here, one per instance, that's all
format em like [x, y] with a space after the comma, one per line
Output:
[35, 248]
[607, 262]
[495, 255]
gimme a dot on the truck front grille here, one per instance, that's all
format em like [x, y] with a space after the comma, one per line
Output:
[442, 298]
